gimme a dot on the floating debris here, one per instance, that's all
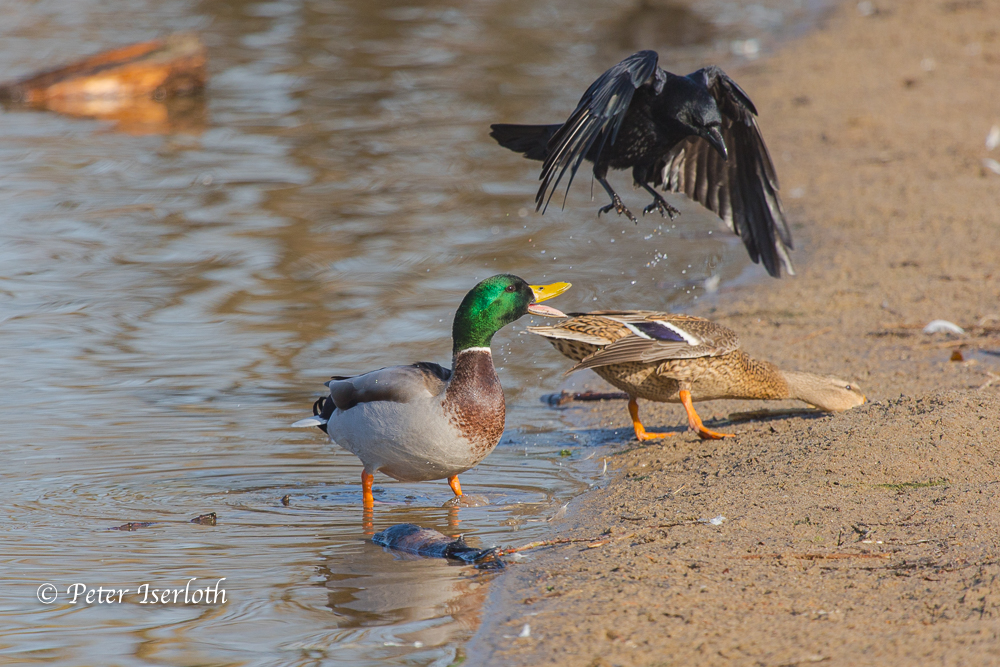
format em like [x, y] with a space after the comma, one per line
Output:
[939, 326]
[134, 525]
[286, 499]
[205, 519]
[412, 539]
[208, 519]
[159, 68]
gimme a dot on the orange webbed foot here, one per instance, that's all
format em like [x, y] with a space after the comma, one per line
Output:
[709, 434]
[641, 434]
[694, 421]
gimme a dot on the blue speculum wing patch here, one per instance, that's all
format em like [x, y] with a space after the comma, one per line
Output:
[659, 331]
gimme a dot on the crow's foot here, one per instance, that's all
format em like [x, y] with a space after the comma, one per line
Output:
[660, 204]
[617, 205]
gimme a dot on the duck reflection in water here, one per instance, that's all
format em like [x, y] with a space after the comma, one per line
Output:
[368, 516]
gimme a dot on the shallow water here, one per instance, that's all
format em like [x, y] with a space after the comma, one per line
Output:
[173, 294]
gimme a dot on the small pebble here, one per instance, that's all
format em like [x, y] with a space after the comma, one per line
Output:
[993, 138]
[938, 326]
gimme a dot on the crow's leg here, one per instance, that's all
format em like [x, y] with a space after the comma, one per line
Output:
[659, 204]
[616, 202]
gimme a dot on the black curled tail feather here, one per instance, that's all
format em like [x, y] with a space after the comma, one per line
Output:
[530, 140]
[323, 407]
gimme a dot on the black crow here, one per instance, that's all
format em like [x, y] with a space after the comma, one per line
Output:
[695, 134]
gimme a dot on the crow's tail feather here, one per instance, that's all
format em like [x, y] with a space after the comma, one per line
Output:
[529, 140]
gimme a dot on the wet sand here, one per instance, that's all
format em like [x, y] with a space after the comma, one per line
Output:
[870, 537]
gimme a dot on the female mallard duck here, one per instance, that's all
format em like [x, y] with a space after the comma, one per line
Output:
[681, 359]
[423, 422]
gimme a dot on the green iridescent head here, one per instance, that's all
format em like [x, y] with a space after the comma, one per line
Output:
[496, 302]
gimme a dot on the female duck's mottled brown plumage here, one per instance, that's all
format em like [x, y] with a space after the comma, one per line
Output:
[681, 359]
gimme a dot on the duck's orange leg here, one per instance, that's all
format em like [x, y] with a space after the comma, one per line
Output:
[366, 487]
[640, 431]
[694, 421]
[455, 486]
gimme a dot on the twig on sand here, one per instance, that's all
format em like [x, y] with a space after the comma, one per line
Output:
[978, 343]
[993, 378]
[814, 334]
[815, 556]
[593, 543]
[544, 543]
[752, 415]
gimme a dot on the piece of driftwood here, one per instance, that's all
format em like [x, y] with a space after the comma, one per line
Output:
[209, 519]
[134, 525]
[157, 69]
[143, 88]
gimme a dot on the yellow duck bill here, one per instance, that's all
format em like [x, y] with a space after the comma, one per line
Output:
[544, 293]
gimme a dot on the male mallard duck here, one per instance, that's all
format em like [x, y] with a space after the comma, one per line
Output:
[681, 359]
[422, 422]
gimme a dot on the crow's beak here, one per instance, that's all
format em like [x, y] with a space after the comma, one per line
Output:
[544, 293]
[714, 137]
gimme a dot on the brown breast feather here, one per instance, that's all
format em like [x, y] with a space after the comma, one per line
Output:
[474, 401]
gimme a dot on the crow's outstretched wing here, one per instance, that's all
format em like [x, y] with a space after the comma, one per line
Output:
[596, 120]
[742, 190]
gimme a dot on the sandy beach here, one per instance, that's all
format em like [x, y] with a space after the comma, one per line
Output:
[869, 537]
